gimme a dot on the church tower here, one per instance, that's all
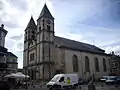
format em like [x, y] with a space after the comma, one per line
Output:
[29, 41]
[45, 43]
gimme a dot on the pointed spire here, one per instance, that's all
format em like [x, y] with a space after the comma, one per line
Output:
[31, 24]
[45, 12]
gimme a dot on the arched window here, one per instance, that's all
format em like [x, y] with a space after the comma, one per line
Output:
[104, 65]
[87, 66]
[75, 63]
[96, 65]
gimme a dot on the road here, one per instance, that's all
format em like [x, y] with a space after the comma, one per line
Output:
[84, 87]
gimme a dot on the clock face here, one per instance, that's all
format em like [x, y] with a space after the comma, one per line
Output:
[48, 21]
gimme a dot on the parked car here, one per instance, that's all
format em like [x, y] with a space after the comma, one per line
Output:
[4, 85]
[111, 80]
[118, 80]
[103, 78]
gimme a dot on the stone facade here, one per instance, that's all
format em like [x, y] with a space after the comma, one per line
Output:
[12, 63]
[8, 61]
[46, 54]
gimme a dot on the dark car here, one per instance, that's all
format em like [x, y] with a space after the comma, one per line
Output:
[118, 80]
[4, 85]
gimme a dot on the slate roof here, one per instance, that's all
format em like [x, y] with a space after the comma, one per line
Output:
[45, 12]
[4, 51]
[11, 54]
[31, 24]
[75, 45]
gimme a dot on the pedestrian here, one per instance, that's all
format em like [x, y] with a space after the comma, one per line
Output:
[68, 80]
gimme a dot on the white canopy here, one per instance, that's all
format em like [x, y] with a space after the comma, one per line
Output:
[17, 75]
[21, 75]
[10, 75]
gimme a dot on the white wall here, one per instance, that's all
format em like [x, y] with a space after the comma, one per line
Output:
[81, 63]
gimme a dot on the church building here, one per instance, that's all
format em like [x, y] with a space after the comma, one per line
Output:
[46, 54]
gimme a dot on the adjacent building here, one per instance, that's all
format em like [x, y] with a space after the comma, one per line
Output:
[8, 61]
[12, 63]
[115, 64]
[46, 54]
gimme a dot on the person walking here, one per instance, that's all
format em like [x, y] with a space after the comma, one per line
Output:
[68, 80]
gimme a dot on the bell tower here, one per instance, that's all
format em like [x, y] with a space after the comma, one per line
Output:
[45, 38]
[29, 41]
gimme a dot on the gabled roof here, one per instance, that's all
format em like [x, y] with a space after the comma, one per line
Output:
[45, 12]
[31, 24]
[75, 45]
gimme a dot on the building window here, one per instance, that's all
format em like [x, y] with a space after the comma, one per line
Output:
[113, 65]
[75, 63]
[39, 28]
[33, 32]
[10, 65]
[48, 27]
[32, 57]
[47, 37]
[87, 66]
[104, 65]
[26, 33]
[25, 37]
[96, 65]
[14, 60]
[33, 37]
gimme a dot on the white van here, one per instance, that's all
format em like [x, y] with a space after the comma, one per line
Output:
[63, 80]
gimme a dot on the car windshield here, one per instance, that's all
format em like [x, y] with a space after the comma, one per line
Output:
[54, 79]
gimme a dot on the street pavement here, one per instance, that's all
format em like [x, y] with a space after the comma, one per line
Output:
[83, 87]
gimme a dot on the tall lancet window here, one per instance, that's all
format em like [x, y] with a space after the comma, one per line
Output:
[96, 65]
[87, 66]
[48, 27]
[75, 63]
[48, 34]
[104, 65]
[39, 28]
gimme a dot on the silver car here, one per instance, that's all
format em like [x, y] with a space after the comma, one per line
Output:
[111, 80]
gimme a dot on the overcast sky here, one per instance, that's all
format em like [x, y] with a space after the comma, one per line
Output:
[91, 21]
